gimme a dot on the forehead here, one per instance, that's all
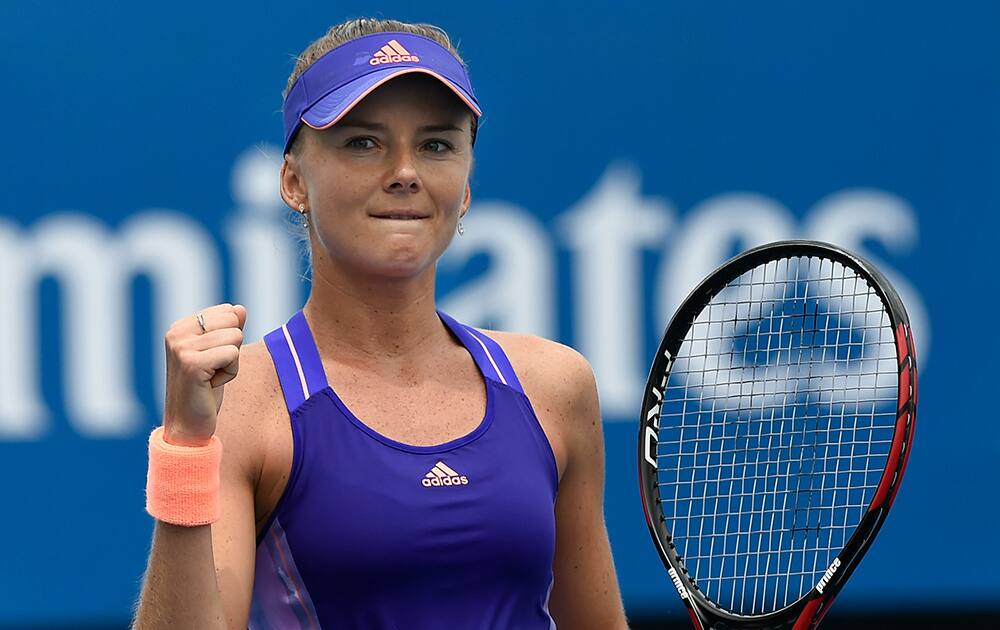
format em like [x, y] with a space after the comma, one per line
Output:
[418, 95]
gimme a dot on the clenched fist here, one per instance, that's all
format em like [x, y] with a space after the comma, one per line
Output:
[199, 364]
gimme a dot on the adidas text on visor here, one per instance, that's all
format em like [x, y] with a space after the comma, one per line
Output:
[338, 80]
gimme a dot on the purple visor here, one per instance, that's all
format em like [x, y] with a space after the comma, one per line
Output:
[338, 80]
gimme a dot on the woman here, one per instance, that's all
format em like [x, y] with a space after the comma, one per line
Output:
[385, 466]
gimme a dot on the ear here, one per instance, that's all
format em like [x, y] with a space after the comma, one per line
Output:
[466, 202]
[293, 186]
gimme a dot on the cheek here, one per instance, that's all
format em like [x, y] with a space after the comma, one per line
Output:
[339, 194]
[450, 194]
[337, 184]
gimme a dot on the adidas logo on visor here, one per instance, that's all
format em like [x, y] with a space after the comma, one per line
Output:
[442, 475]
[393, 52]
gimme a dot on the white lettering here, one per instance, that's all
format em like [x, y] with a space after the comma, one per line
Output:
[446, 481]
[517, 290]
[265, 260]
[827, 576]
[715, 231]
[607, 231]
[86, 262]
[650, 444]
[23, 414]
[849, 218]
[178, 256]
[678, 584]
[93, 268]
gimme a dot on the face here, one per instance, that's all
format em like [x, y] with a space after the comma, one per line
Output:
[385, 186]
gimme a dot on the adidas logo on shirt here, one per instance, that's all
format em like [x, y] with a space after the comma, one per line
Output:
[393, 52]
[442, 475]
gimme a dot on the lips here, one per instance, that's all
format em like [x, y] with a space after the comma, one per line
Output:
[402, 214]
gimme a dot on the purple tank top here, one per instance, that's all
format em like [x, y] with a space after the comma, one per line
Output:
[372, 533]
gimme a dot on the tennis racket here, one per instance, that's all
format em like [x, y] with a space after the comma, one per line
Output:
[775, 429]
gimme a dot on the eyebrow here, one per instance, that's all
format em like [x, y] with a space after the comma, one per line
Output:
[364, 124]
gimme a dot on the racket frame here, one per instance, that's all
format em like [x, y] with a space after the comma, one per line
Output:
[806, 612]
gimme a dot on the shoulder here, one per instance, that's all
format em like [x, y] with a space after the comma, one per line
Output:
[256, 383]
[252, 409]
[559, 370]
[562, 389]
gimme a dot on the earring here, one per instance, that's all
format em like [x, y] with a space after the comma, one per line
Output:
[461, 229]
[305, 215]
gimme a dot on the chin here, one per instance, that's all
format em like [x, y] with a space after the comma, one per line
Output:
[396, 257]
[404, 257]
[401, 265]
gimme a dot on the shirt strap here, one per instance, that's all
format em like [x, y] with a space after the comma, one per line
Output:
[486, 352]
[296, 360]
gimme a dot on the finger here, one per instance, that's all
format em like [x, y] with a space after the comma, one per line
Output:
[241, 313]
[225, 374]
[218, 358]
[216, 318]
[219, 337]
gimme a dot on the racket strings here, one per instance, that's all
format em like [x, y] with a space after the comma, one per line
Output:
[775, 426]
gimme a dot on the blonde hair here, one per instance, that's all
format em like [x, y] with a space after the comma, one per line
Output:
[344, 32]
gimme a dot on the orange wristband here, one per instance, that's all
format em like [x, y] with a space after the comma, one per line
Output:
[182, 485]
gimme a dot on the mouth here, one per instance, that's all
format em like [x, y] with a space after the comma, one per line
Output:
[406, 214]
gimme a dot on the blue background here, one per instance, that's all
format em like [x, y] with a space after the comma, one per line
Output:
[111, 109]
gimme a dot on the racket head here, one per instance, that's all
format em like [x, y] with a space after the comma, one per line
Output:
[681, 550]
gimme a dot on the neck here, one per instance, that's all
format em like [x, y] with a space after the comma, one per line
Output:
[354, 316]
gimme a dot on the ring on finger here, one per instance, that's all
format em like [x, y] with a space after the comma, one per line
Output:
[201, 322]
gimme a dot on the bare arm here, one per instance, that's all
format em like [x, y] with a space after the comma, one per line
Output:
[202, 577]
[585, 593]
[180, 588]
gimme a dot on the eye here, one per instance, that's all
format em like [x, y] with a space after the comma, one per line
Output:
[361, 142]
[438, 146]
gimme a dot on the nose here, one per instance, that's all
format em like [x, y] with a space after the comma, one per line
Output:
[403, 175]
